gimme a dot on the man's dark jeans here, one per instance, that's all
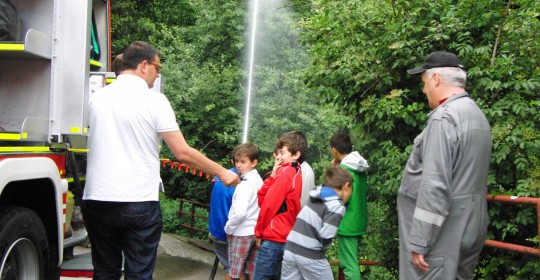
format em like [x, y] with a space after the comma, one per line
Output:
[131, 228]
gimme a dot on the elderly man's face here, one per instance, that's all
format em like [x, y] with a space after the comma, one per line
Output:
[429, 89]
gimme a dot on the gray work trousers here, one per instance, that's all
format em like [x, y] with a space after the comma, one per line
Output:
[454, 255]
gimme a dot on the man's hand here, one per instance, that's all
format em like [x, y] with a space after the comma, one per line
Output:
[229, 178]
[258, 242]
[419, 262]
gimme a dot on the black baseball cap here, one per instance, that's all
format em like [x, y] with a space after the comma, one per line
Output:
[438, 59]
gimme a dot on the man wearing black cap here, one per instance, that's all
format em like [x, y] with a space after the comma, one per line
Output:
[442, 204]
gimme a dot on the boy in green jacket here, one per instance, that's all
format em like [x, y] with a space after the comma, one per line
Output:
[354, 223]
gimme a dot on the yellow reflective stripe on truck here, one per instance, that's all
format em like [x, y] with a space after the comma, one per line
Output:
[78, 150]
[13, 136]
[95, 63]
[12, 46]
[24, 149]
[75, 129]
[71, 180]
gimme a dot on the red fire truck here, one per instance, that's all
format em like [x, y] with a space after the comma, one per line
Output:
[60, 53]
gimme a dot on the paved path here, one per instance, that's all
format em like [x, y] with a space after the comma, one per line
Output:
[179, 258]
[183, 258]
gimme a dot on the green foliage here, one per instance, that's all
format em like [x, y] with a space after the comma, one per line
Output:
[359, 51]
[202, 84]
[280, 101]
[139, 20]
[205, 100]
[172, 222]
[219, 30]
[205, 81]
[169, 209]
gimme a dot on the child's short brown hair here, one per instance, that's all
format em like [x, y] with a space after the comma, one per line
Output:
[295, 141]
[246, 149]
[336, 176]
[341, 141]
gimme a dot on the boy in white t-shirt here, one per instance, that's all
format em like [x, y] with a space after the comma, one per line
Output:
[240, 227]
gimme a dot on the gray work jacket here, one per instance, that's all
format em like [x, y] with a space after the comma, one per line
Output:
[448, 165]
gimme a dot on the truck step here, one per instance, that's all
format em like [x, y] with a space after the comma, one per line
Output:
[79, 266]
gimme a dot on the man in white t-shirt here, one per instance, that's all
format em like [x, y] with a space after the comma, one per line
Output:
[121, 203]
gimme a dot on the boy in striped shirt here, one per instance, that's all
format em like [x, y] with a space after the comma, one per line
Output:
[315, 226]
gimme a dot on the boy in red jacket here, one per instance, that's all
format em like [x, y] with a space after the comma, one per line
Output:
[279, 199]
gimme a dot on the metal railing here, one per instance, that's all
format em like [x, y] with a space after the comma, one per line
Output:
[192, 228]
[510, 246]
[491, 243]
[192, 216]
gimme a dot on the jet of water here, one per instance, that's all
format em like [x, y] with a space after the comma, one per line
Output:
[253, 32]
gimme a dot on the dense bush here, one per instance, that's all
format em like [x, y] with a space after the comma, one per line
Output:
[359, 53]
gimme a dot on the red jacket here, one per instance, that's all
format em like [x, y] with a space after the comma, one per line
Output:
[279, 199]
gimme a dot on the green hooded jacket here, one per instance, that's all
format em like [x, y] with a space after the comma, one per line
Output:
[354, 223]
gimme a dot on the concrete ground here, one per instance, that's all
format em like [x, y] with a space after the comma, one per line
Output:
[186, 259]
[179, 258]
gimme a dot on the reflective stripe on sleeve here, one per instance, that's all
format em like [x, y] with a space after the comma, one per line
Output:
[428, 217]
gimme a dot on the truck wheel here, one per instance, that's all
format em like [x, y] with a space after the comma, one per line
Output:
[23, 244]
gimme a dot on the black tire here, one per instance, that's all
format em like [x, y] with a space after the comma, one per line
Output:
[23, 245]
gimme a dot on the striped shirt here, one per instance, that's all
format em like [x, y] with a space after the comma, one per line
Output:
[316, 224]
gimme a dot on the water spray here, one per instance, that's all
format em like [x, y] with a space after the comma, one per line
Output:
[250, 68]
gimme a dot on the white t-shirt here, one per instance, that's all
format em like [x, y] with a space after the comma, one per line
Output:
[125, 120]
[308, 182]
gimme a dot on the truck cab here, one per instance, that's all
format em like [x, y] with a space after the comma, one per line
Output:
[45, 73]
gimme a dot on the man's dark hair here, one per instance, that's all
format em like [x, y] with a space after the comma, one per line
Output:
[295, 142]
[246, 149]
[138, 52]
[341, 141]
[117, 65]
